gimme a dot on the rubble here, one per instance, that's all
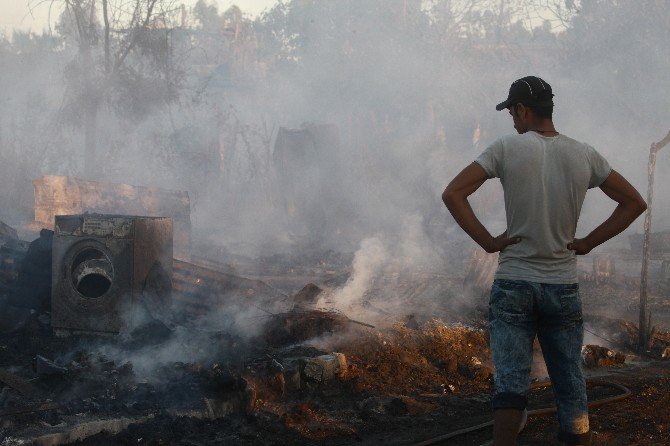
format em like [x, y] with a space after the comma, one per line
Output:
[307, 296]
[17, 383]
[198, 290]
[12, 318]
[325, 368]
[393, 405]
[604, 269]
[475, 369]
[623, 335]
[7, 231]
[45, 367]
[299, 325]
[17, 294]
[12, 252]
[33, 284]
[411, 322]
[378, 374]
[597, 356]
[312, 371]
[401, 360]
[315, 424]
[74, 429]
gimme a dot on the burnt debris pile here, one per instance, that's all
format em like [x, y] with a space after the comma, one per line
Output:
[208, 353]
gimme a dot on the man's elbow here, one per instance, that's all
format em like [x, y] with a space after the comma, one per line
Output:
[635, 207]
[640, 206]
[449, 197]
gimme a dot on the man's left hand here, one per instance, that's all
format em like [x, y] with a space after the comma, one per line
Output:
[580, 246]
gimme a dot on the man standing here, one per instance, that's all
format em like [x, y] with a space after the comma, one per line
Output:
[545, 176]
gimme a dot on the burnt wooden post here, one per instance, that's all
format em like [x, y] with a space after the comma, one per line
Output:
[646, 249]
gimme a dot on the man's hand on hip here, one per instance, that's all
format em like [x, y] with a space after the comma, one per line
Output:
[630, 206]
[580, 246]
[501, 242]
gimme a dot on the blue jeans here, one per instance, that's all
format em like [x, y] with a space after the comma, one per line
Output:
[520, 310]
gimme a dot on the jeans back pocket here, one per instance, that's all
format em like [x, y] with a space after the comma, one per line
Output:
[511, 301]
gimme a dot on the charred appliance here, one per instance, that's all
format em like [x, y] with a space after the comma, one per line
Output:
[103, 265]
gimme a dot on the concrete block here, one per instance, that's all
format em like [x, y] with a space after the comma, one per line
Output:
[325, 368]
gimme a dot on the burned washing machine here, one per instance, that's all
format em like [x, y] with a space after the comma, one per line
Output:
[103, 265]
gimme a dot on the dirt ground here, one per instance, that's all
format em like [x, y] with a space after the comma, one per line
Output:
[642, 419]
[415, 380]
[359, 410]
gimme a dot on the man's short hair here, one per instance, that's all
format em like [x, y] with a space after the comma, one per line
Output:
[541, 111]
[544, 111]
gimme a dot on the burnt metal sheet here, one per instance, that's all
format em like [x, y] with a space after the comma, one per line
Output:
[198, 290]
[95, 225]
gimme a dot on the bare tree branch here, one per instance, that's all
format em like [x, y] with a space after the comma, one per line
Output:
[105, 17]
[135, 35]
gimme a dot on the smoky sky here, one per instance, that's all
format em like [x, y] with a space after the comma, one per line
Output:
[409, 87]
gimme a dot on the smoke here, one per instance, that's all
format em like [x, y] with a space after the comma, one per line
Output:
[393, 276]
[410, 109]
[369, 262]
[150, 342]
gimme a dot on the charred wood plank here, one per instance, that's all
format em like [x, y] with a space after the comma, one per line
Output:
[41, 407]
[17, 383]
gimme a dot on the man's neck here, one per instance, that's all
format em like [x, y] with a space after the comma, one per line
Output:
[544, 127]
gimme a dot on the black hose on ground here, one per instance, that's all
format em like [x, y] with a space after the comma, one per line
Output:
[625, 393]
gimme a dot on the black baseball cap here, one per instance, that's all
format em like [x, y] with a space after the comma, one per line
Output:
[529, 90]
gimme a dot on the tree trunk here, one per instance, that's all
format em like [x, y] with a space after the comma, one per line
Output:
[91, 138]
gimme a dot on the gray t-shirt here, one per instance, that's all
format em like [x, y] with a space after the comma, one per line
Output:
[544, 180]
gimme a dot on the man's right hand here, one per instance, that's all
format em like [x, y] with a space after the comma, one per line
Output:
[501, 242]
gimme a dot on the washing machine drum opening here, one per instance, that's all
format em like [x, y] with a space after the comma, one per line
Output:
[92, 273]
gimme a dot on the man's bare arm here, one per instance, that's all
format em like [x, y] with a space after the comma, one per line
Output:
[630, 206]
[455, 197]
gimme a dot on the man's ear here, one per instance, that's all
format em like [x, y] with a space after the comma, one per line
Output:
[521, 109]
